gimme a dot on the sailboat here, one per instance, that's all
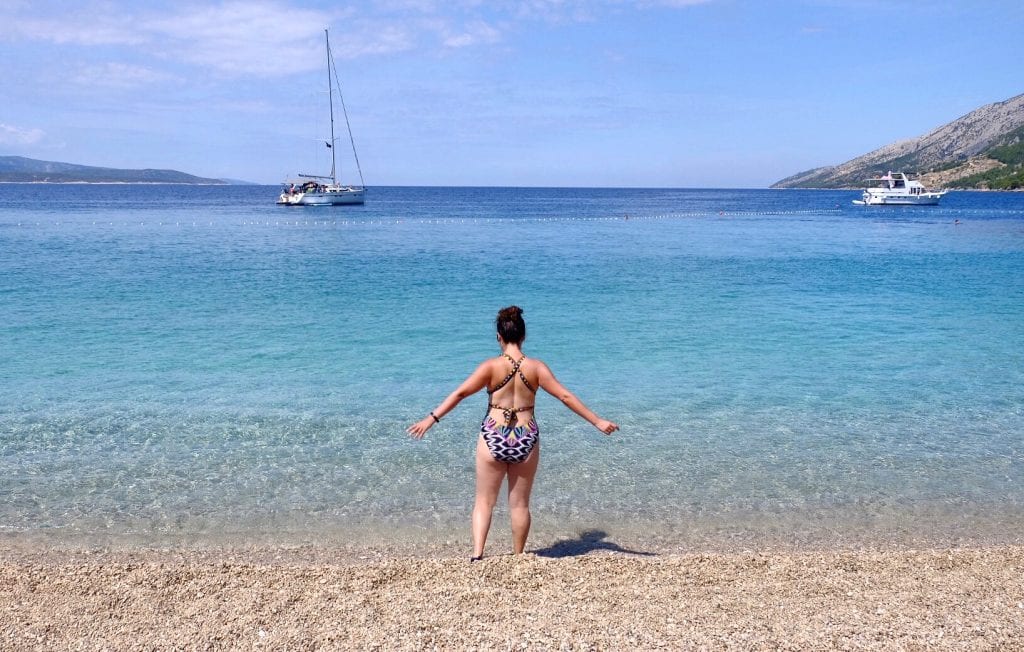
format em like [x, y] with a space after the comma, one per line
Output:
[324, 190]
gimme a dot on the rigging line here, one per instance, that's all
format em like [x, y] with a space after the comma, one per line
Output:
[344, 112]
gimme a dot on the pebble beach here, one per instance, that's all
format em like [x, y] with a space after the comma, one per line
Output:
[316, 598]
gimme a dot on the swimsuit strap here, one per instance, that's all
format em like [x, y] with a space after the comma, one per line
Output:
[515, 368]
[510, 413]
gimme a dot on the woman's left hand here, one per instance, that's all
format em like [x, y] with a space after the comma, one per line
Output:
[420, 428]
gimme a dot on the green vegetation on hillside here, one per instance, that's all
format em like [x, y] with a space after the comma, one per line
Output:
[949, 165]
[1010, 153]
[1006, 178]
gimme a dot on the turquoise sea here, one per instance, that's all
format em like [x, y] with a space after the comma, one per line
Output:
[195, 365]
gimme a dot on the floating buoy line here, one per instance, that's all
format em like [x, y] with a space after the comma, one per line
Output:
[626, 217]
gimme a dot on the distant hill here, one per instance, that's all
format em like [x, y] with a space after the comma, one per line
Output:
[27, 170]
[983, 149]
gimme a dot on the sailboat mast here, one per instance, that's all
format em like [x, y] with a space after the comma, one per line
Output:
[330, 97]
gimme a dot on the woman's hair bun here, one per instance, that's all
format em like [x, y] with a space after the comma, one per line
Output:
[512, 312]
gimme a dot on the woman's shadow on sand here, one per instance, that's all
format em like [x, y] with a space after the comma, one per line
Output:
[587, 541]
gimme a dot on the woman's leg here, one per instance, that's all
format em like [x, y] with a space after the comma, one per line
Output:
[520, 483]
[489, 475]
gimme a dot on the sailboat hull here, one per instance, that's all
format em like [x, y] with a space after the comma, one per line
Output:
[330, 197]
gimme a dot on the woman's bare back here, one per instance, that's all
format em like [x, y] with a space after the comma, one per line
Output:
[512, 388]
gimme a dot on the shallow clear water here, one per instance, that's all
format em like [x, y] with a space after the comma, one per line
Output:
[197, 364]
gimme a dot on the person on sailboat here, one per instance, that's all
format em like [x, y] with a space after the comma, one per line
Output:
[509, 441]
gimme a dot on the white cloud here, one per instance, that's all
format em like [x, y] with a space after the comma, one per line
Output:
[676, 3]
[475, 33]
[240, 37]
[233, 37]
[11, 135]
[117, 75]
[371, 38]
[555, 11]
[561, 11]
[422, 6]
[80, 26]
[278, 37]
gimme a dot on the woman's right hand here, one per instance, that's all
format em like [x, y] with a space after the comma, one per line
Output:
[605, 426]
[420, 428]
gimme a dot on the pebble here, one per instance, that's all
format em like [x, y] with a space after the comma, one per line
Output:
[759, 600]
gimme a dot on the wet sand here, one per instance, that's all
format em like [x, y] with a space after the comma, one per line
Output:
[358, 598]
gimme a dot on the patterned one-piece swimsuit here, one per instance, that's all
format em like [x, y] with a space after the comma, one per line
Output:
[509, 442]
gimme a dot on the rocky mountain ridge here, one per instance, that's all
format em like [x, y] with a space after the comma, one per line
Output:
[980, 149]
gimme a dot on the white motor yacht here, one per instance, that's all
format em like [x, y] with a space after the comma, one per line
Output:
[895, 188]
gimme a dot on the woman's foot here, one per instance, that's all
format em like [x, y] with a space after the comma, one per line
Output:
[477, 558]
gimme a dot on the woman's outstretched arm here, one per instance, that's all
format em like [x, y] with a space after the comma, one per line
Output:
[476, 381]
[556, 389]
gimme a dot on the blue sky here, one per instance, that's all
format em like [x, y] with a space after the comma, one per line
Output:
[651, 93]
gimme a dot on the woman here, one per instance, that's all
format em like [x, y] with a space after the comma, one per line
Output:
[509, 442]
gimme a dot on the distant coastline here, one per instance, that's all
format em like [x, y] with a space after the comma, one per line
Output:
[119, 183]
[19, 169]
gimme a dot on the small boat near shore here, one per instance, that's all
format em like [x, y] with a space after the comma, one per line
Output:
[896, 189]
[324, 190]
